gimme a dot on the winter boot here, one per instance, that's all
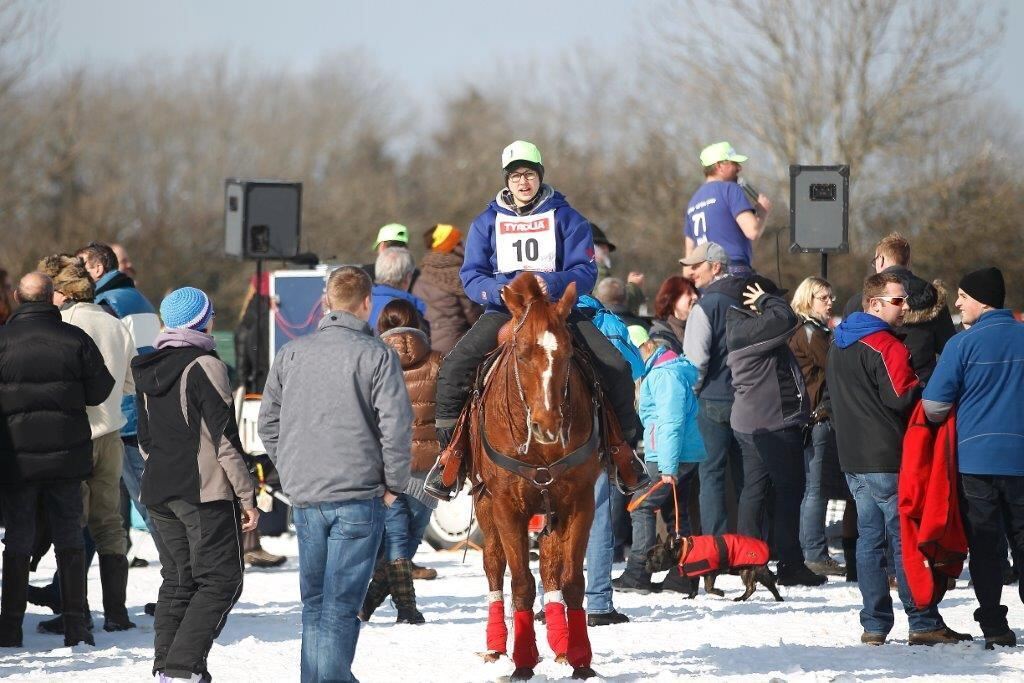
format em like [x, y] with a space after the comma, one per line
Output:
[13, 599]
[114, 579]
[45, 596]
[375, 594]
[423, 573]
[797, 574]
[402, 592]
[850, 555]
[71, 574]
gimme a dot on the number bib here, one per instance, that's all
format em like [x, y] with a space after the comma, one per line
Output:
[526, 242]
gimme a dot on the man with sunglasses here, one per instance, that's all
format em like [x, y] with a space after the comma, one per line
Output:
[873, 386]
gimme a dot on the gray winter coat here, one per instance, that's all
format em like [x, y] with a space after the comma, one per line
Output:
[336, 418]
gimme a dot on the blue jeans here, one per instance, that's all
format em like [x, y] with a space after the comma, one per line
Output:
[812, 507]
[404, 524]
[131, 474]
[600, 547]
[645, 523]
[878, 526]
[722, 451]
[338, 545]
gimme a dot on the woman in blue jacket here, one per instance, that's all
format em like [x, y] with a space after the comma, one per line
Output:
[528, 226]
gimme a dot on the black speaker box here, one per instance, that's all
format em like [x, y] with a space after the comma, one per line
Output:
[819, 209]
[262, 218]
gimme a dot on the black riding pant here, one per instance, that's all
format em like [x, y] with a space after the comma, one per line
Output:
[454, 382]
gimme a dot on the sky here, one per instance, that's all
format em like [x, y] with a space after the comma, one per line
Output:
[424, 45]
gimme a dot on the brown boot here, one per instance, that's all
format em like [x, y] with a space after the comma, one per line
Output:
[423, 573]
[938, 636]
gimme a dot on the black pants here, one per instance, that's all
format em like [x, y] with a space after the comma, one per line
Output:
[200, 550]
[992, 507]
[62, 503]
[773, 461]
[456, 376]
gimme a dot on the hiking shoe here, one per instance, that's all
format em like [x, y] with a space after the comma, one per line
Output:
[261, 558]
[55, 626]
[1007, 639]
[674, 583]
[797, 574]
[150, 609]
[872, 638]
[45, 596]
[827, 567]
[627, 583]
[607, 618]
[138, 563]
[409, 615]
[938, 636]
[423, 573]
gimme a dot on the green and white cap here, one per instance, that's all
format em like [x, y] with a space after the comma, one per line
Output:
[392, 232]
[521, 151]
[720, 151]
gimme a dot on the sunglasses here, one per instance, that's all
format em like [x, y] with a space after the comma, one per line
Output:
[894, 300]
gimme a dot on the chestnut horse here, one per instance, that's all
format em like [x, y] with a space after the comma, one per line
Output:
[536, 409]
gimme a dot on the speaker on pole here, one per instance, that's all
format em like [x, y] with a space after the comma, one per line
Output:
[819, 209]
[262, 218]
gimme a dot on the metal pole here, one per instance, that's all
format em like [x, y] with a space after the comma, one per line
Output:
[824, 266]
[259, 320]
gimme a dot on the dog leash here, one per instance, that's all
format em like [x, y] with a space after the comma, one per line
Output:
[635, 503]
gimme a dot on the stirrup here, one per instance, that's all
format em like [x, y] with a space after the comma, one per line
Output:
[643, 479]
[434, 485]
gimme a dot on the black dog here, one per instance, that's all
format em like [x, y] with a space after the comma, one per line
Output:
[709, 556]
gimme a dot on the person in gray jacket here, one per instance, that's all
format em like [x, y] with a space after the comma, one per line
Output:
[768, 416]
[337, 423]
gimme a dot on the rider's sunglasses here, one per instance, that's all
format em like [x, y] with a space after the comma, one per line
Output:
[528, 176]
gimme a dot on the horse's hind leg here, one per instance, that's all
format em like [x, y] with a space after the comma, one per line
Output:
[574, 549]
[554, 604]
[494, 568]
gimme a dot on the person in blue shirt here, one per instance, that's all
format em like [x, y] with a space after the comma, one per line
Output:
[720, 212]
[981, 372]
[528, 226]
[394, 269]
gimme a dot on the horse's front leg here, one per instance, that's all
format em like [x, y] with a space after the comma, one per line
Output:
[494, 568]
[516, 543]
[575, 534]
[551, 563]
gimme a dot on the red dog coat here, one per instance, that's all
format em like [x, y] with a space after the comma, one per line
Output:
[705, 554]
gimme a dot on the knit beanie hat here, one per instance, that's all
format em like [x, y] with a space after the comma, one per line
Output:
[986, 286]
[445, 238]
[69, 276]
[187, 307]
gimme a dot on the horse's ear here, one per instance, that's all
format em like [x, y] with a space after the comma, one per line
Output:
[515, 301]
[568, 300]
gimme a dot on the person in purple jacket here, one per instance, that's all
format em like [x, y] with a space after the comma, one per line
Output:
[528, 226]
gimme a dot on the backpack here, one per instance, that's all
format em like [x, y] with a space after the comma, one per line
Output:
[612, 327]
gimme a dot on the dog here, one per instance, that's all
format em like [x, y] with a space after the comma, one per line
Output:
[709, 556]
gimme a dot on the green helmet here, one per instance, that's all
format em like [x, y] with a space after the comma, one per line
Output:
[392, 232]
[521, 151]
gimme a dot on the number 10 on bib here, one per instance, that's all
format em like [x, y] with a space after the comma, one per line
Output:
[526, 242]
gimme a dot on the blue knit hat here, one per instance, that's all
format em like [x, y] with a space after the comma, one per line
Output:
[187, 307]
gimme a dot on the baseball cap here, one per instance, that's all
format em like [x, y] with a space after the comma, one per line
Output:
[638, 335]
[709, 251]
[720, 151]
[392, 232]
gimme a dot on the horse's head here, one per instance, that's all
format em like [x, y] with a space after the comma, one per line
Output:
[543, 349]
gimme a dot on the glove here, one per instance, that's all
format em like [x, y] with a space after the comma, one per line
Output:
[444, 436]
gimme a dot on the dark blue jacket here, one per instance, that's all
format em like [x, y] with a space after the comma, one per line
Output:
[981, 371]
[117, 290]
[704, 341]
[574, 260]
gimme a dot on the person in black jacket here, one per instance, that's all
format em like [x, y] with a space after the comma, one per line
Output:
[927, 324]
[768, 416]
[50, 372]
[872, 388]
[196, 484]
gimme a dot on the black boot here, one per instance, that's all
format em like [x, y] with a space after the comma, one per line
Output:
[434, 484]
[375, 594]
[13, 599]
[45, 596]
[402, 592]
[114, 578]
[71, 573]
[850, 555]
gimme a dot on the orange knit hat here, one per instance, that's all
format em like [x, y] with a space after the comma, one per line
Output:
[445, 238]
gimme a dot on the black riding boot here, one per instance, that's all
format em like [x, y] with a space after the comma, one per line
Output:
[434, 483]
[71, 574]
[114, 578]
[13, 599]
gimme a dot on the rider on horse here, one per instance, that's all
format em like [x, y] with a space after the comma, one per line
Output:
[529, 226]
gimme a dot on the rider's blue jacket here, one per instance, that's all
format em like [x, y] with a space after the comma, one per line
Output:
[574, 261]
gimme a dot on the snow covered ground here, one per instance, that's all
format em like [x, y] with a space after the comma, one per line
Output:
[813, 636]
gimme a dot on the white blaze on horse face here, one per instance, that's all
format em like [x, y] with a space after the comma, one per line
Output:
[549, 343]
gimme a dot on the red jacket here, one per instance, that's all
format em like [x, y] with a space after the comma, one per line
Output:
[708, 554]
[933, 538]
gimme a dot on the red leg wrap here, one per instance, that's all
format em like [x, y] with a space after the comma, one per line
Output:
[497, 631]
[524, 649]
[579, 653]
[558, 629]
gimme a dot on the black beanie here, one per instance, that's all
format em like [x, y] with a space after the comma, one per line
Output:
[985, 286]
[539, 168]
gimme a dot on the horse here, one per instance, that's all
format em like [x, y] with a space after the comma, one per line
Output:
[535, 441]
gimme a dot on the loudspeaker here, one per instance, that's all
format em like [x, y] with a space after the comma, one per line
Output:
[819, 209]
[262, 218]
